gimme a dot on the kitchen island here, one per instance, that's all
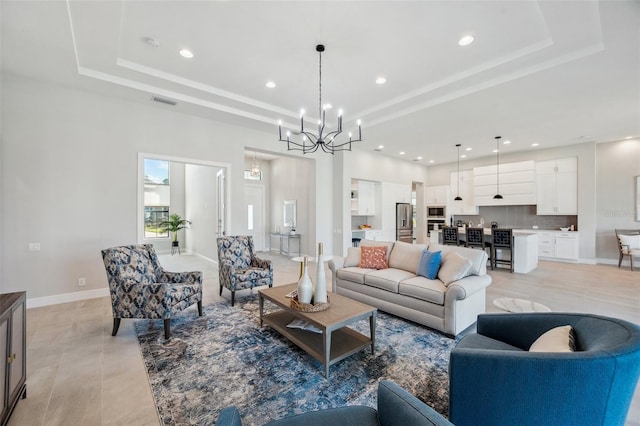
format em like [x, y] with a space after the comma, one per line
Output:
[525, 247]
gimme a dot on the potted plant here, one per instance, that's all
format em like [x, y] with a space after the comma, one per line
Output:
[174, 224]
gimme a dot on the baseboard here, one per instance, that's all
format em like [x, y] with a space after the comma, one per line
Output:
[56, 299]
[215, 262]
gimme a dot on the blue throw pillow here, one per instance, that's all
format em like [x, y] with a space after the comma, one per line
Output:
[429, 264]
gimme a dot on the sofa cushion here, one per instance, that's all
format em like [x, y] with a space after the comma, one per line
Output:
[424, 289]
[405, 256]
[353, 257]
[454, 267]
[373, 257]
[429, 264]
[478, 257]
[387, 244]
[387, 279]
[354, 274]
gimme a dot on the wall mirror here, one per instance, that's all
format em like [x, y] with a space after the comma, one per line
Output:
[289, 213]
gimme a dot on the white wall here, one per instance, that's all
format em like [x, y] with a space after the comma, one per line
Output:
[69, 173]
[617, 164]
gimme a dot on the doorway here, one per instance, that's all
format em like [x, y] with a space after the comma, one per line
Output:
[254, 207]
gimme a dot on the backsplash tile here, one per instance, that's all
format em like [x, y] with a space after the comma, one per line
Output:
[522, 217]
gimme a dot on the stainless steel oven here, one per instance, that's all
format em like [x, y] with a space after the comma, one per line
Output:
[436, 212]
[435, 224]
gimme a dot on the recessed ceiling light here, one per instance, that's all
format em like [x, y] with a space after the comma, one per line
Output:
[402, 152]
[186, 53]
[432, 161]
[629, 137]
[466, 40]
[270, 84]
[494, 151]
[327, 106]
[380, 146]
[535, 144]
[417, 159]
[506, 142]
[468, 149]
[381, 80]
[463, 156]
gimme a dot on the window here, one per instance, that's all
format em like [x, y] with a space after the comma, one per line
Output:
[156, 197]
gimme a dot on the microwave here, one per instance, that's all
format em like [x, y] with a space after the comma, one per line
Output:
[436, 211]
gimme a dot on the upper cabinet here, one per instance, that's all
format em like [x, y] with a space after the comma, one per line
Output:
[517, 184]
[436, 195]
[466, 191]
[363, 198]
[557, 184]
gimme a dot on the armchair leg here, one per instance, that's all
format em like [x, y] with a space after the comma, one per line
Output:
[221, 286]
[620, 260]
[116, 325]
[200, 308]
[233, 297]
[167, 329]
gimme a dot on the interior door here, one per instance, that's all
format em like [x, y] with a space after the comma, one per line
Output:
[221, 228]
[254, 208]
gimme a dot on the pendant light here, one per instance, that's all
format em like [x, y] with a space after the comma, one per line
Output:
[458, 197]
[497, 196]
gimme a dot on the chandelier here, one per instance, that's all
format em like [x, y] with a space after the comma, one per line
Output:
[311, 142]
[256, 167]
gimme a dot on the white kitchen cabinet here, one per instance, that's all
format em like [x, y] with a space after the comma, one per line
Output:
[517, 184]
[373, 234]
[437, 195]
[557, 186]
[467, 205]
[364, 198]
[560, 246]
[567, 244]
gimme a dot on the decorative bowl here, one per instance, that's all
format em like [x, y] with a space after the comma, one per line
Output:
[564, 229]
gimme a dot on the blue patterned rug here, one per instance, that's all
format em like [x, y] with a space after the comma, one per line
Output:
[225, 358]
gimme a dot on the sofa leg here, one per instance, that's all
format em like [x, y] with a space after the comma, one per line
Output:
[200, 308]
[167, 329]
[116, 325]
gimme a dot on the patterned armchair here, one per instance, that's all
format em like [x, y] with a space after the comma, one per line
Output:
[239, 268]
[141, 288]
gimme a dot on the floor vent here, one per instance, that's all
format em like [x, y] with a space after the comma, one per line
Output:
[164, 100]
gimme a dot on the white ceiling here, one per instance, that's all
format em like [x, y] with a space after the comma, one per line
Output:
[551, 72]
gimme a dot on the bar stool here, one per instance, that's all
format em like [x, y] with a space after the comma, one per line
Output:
[501, 239]
[475, 239]
[356, 241]
[450, 236]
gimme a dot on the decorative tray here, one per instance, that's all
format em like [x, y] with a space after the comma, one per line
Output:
[308, 307]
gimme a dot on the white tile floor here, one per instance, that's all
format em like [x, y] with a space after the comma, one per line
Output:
[78, 374]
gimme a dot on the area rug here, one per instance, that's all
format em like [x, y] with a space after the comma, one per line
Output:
[225, 358]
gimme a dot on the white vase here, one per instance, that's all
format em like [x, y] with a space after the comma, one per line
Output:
[305, 289]
[320, 293]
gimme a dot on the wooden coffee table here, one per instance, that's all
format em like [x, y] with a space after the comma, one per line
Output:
[337, 341]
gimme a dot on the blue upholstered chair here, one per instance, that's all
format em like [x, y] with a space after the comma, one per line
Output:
[495, 380]
[238, 266]
[141, 288]
[396, 407]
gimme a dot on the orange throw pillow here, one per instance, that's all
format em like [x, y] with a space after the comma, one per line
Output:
[373, 257]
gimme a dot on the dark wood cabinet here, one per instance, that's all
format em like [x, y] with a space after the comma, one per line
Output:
[13, 347]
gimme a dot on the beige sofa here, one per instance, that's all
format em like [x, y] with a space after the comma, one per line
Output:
[450, 303]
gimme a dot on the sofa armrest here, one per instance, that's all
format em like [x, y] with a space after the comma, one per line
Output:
[335, 264]
[261, 263]
[465, 287]
[398, 407]
[230, 416]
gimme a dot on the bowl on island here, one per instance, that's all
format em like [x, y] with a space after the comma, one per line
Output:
[564, 229]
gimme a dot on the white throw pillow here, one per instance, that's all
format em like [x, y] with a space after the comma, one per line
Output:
[559, 339]
[353, 257]
[632, 241]
[453, 268]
